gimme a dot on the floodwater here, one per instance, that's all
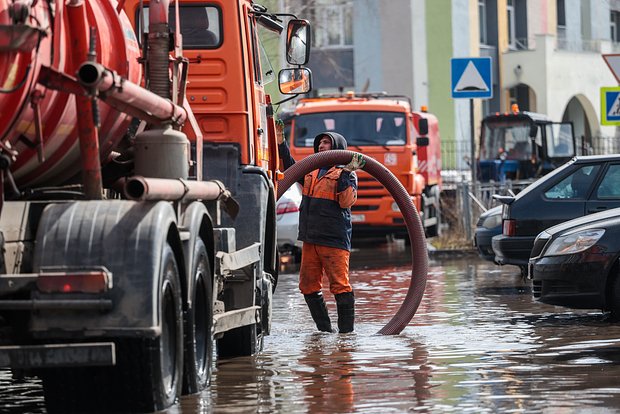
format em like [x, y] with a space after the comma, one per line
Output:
[478, 343]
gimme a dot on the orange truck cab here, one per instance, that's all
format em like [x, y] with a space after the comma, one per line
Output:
[385, 128]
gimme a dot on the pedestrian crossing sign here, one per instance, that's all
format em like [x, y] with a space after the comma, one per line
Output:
[610, 105]
[471, 77]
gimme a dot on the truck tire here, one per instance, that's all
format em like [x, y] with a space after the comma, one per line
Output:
[613, 295]
[432, 209]
[198, 324]
[147, 375]
[154, 366]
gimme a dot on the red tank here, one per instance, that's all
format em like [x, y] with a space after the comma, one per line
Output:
[45, 40]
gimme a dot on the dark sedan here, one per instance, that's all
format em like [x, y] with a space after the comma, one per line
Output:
[489, 225]
[582, 186]
[575, 264]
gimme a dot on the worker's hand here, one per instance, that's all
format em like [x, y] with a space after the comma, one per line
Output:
[357, 162]
[279, 131]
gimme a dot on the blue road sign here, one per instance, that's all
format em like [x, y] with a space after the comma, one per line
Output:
[471, 77]
[610, 105]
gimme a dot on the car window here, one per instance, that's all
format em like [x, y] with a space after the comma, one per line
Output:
[610, 184]
[576, 185]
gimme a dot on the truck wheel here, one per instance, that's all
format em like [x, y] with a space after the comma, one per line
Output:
[154, 366]
[613, 296]
[432, 209]
[198, 325]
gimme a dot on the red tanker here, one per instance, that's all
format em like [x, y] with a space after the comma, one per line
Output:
[131, 245]
[41, 124]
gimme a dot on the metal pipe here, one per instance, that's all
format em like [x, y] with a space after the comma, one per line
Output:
[142, 188]
[88, 132]
[108, 83]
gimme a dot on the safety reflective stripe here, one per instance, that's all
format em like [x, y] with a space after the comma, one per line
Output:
[422, 166]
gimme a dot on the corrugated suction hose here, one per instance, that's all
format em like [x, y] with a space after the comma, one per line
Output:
[419, 254]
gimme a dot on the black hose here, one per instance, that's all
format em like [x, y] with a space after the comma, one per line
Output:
[419, 254]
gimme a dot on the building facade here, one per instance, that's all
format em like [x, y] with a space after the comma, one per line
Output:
[546, 54]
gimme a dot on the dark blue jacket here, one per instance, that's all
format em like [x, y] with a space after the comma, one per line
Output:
[325, 213]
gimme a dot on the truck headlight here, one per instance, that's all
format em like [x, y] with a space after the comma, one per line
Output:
[574, 242]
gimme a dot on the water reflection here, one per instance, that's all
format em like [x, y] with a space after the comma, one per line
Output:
[478, 343]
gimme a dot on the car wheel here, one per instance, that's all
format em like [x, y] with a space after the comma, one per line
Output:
[613, 298]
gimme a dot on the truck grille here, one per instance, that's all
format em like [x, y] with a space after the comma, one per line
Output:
[357, 207]
[369, 187]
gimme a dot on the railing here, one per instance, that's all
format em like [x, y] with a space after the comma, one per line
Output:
[581, 45]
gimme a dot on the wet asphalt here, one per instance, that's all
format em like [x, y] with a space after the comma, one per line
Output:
[478, 343]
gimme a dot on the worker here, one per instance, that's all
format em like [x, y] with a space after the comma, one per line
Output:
[325, 230]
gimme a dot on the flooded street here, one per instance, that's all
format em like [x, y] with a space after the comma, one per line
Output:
[478, 343]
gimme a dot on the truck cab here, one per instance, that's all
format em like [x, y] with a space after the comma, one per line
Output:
[522, 146]
[385, 128]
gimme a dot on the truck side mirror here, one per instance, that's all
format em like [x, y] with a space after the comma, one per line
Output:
[298, 39]
[533, 131]
[423, 126]
[295, 80]
[422, 141]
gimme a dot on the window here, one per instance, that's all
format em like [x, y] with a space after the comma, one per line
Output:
[201, 26]
[560, 140]
[482, 21]
[610, 184]
[576, 185]
[336, 29]
[561, 14]
[615, 26]
[510, 11]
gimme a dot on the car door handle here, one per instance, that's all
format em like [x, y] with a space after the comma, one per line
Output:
[596, 209]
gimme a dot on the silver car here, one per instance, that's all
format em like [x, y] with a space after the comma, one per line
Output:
[287, 221]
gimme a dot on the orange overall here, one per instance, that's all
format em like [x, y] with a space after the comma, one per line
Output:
[323, 258]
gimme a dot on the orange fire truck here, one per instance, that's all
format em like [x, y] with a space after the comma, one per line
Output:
[385, 128]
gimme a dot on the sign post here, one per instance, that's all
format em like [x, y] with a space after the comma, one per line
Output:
[472, 78]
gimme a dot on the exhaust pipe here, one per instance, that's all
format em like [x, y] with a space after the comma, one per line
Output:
[139, 188]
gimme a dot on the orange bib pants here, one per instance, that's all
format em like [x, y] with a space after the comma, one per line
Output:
[316, 261]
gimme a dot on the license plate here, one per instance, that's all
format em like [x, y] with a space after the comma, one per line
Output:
[357, 218]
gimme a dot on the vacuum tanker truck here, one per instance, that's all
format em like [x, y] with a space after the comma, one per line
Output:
[137, 214]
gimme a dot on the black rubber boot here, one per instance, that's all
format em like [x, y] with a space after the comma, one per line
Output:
[318, 310]
[346, 311]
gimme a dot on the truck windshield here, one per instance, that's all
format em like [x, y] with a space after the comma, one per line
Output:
[360, 128]
[511, 139]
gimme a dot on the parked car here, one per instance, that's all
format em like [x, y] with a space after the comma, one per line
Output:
[582, 186]
[489, 225]
[575, 264]
[287, 221]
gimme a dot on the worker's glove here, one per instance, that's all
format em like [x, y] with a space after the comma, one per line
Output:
[279, 131]
[357, 162]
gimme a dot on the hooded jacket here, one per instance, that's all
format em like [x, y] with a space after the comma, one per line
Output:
[327, 197]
